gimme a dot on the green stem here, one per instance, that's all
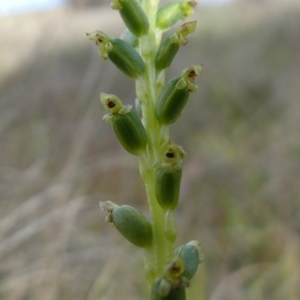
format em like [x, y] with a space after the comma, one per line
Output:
[147, 90]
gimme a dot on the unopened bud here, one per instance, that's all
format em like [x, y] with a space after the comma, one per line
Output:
[168, 175]
[123, 55]
[133, 16]
[130, 223]
[175, 94]
[173, 11]
[167, 187]
[171, 101]
[192, 257]
[170, 45]
[126, 123]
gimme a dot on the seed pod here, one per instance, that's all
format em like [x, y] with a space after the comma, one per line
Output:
[166, 52]
[171, 101]
[133, 16]
[192, 257]
[126, 124]
[175, 94]
[130, 223]
[167, 187]
[170, 13]
[124, 56]
[173, 294]
[170, 45]
[130, 132]
[167, 175]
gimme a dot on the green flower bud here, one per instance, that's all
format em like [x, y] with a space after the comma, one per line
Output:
[124, 56]
[130, 223]
[171, 101]
[167, 187]
[168, 176]
[175, 94]
[192, 257]
[170, 45]
[166, 53]
[129, 38]
[172, 12]
[126, 124]
[130, 132]
[173, 294]
[133, 16]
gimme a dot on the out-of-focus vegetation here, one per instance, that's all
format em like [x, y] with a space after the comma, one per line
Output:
[240, 192]
[79, 4]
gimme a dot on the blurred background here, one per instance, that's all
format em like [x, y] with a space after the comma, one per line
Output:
[239, 196]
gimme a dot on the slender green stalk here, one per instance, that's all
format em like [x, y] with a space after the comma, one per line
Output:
[168, 271]
[147, 91]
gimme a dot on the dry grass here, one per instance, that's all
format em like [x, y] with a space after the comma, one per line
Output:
[240, 192]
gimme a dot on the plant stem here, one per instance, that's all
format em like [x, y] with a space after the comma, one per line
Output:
[147, 90]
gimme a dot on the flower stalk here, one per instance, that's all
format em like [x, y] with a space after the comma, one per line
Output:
[143, 55]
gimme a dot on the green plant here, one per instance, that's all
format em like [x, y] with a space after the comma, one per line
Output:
[143, 55]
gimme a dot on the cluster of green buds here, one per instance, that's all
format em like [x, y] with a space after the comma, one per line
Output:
[143, 53]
